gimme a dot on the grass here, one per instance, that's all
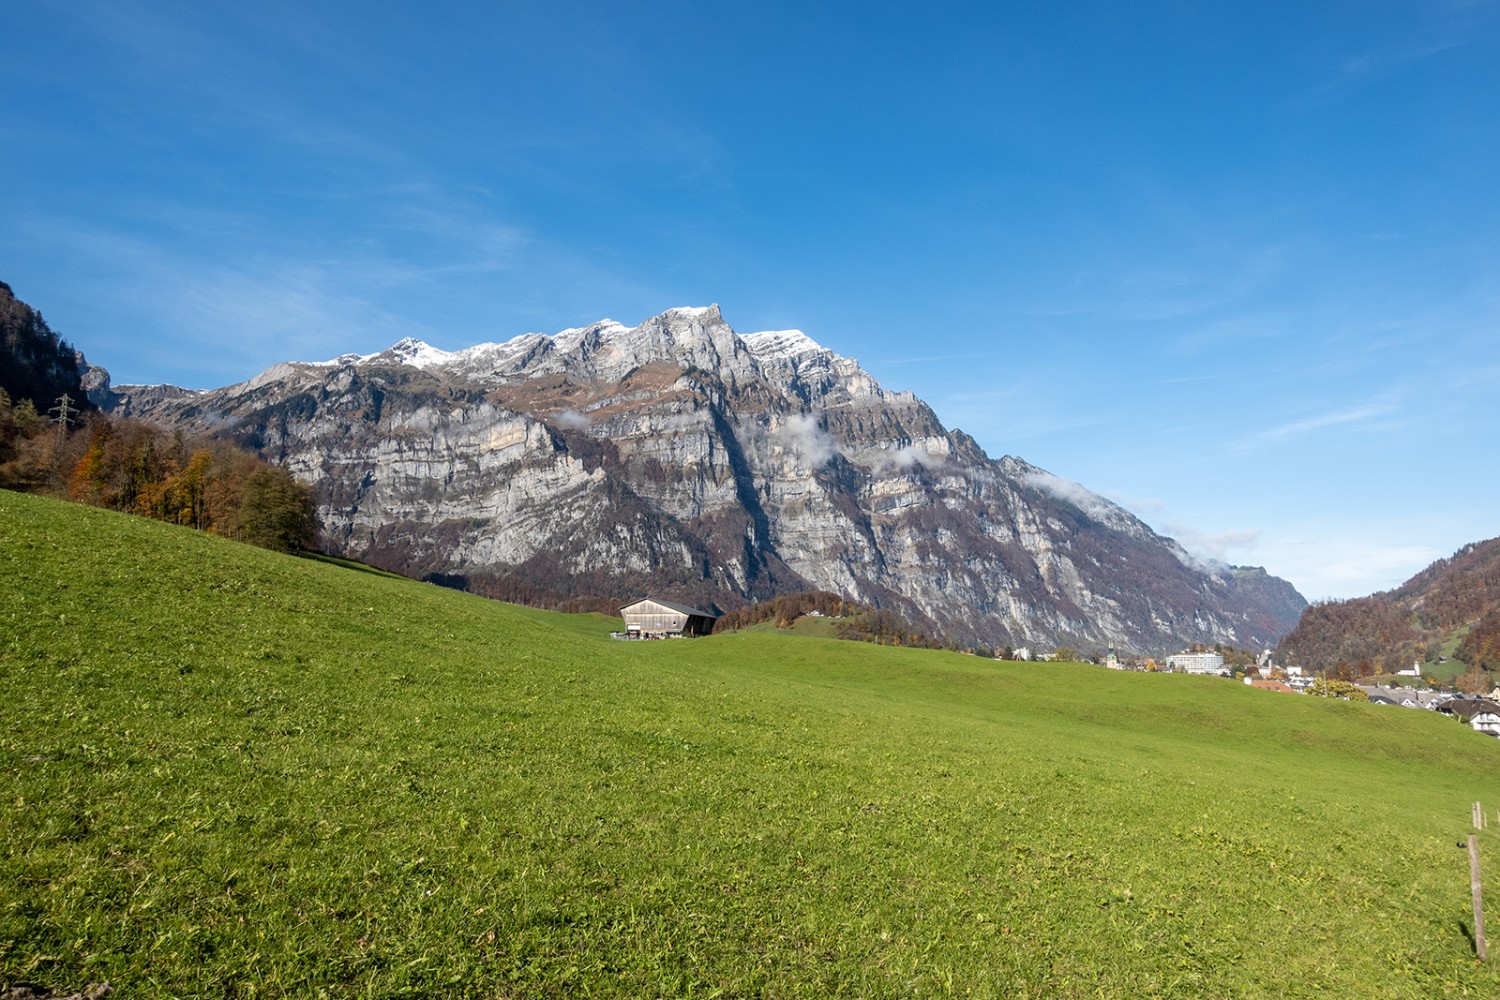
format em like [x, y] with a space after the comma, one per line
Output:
[230, 773]
[1449, 668]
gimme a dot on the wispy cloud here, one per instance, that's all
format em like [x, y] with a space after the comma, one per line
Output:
[1216, 275]
[1486, 375]
[1240, 329]
[1079, 496]
[1146, 508]
[1012, 414]
[801, 436]
[1212, 547]
[1364, 413]
[1443, 27]
[240, 312]
[1362, 69]
[903, 459]
[807, 439]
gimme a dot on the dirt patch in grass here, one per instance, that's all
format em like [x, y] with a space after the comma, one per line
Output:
[31, 991]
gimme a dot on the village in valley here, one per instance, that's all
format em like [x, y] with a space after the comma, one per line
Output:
[657, 618]
[1482, 714]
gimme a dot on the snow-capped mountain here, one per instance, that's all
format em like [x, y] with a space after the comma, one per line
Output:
[681, 458]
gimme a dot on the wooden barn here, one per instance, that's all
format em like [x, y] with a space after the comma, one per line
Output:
[650, 618]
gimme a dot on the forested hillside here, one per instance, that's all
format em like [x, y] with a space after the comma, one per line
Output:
[73, 451]
[36, 364]
[1457, 598]
[130, 466]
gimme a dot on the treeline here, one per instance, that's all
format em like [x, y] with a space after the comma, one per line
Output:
[887, 628]
[130, 466]
[855, 622]
[786, 609]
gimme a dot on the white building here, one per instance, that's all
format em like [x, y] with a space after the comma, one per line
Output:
[1196, 663]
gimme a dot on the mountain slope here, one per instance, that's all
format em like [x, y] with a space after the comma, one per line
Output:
[1457, 597]
[35, 363]
[680, 457]
[313, 781]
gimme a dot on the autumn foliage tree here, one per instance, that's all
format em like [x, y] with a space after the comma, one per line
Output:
[784, 610]
[131, 466]
[1482, 645]
[1354, 638]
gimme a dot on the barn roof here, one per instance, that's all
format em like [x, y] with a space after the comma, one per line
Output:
[679, 608]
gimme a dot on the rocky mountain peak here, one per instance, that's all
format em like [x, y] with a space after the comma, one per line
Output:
[681, 458]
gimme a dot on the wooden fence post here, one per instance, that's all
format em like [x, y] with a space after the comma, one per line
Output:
[1479, 944]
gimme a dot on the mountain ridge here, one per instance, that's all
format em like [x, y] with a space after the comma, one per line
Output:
[678, 455]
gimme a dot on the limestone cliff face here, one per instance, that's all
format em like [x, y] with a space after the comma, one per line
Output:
[682, 458]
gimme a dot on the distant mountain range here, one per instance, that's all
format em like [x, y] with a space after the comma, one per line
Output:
[1454, 603]
[681, 459]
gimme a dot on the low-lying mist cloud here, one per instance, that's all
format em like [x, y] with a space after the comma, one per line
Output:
[803, 436]
[1068, 491]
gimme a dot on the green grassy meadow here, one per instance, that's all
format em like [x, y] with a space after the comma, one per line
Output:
[1450, 668]
[225, 772]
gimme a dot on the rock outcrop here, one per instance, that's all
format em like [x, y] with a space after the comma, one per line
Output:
[682, 458]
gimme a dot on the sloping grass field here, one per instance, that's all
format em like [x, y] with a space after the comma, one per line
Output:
[225, 772]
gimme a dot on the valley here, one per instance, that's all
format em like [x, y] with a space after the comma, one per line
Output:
[307, 778]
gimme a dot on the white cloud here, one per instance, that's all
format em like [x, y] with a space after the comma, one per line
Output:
[906, 457]
[571, 419]
[807, 439]
[1213, 547]
[1366, 68]
[1142, 507]
[801, 435]
[255, 294]
[1081, 497]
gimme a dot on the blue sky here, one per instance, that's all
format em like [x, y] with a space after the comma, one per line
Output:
[1235, 266]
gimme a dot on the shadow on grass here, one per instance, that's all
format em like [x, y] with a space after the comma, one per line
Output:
[1468, 932]
[358, 567]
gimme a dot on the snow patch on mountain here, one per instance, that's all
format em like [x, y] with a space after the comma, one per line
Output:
[780, 343]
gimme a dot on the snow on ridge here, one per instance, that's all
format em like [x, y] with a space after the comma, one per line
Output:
[697, 311]
[420, 355]
[780, 343]
[408, 350]
[765, 344]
